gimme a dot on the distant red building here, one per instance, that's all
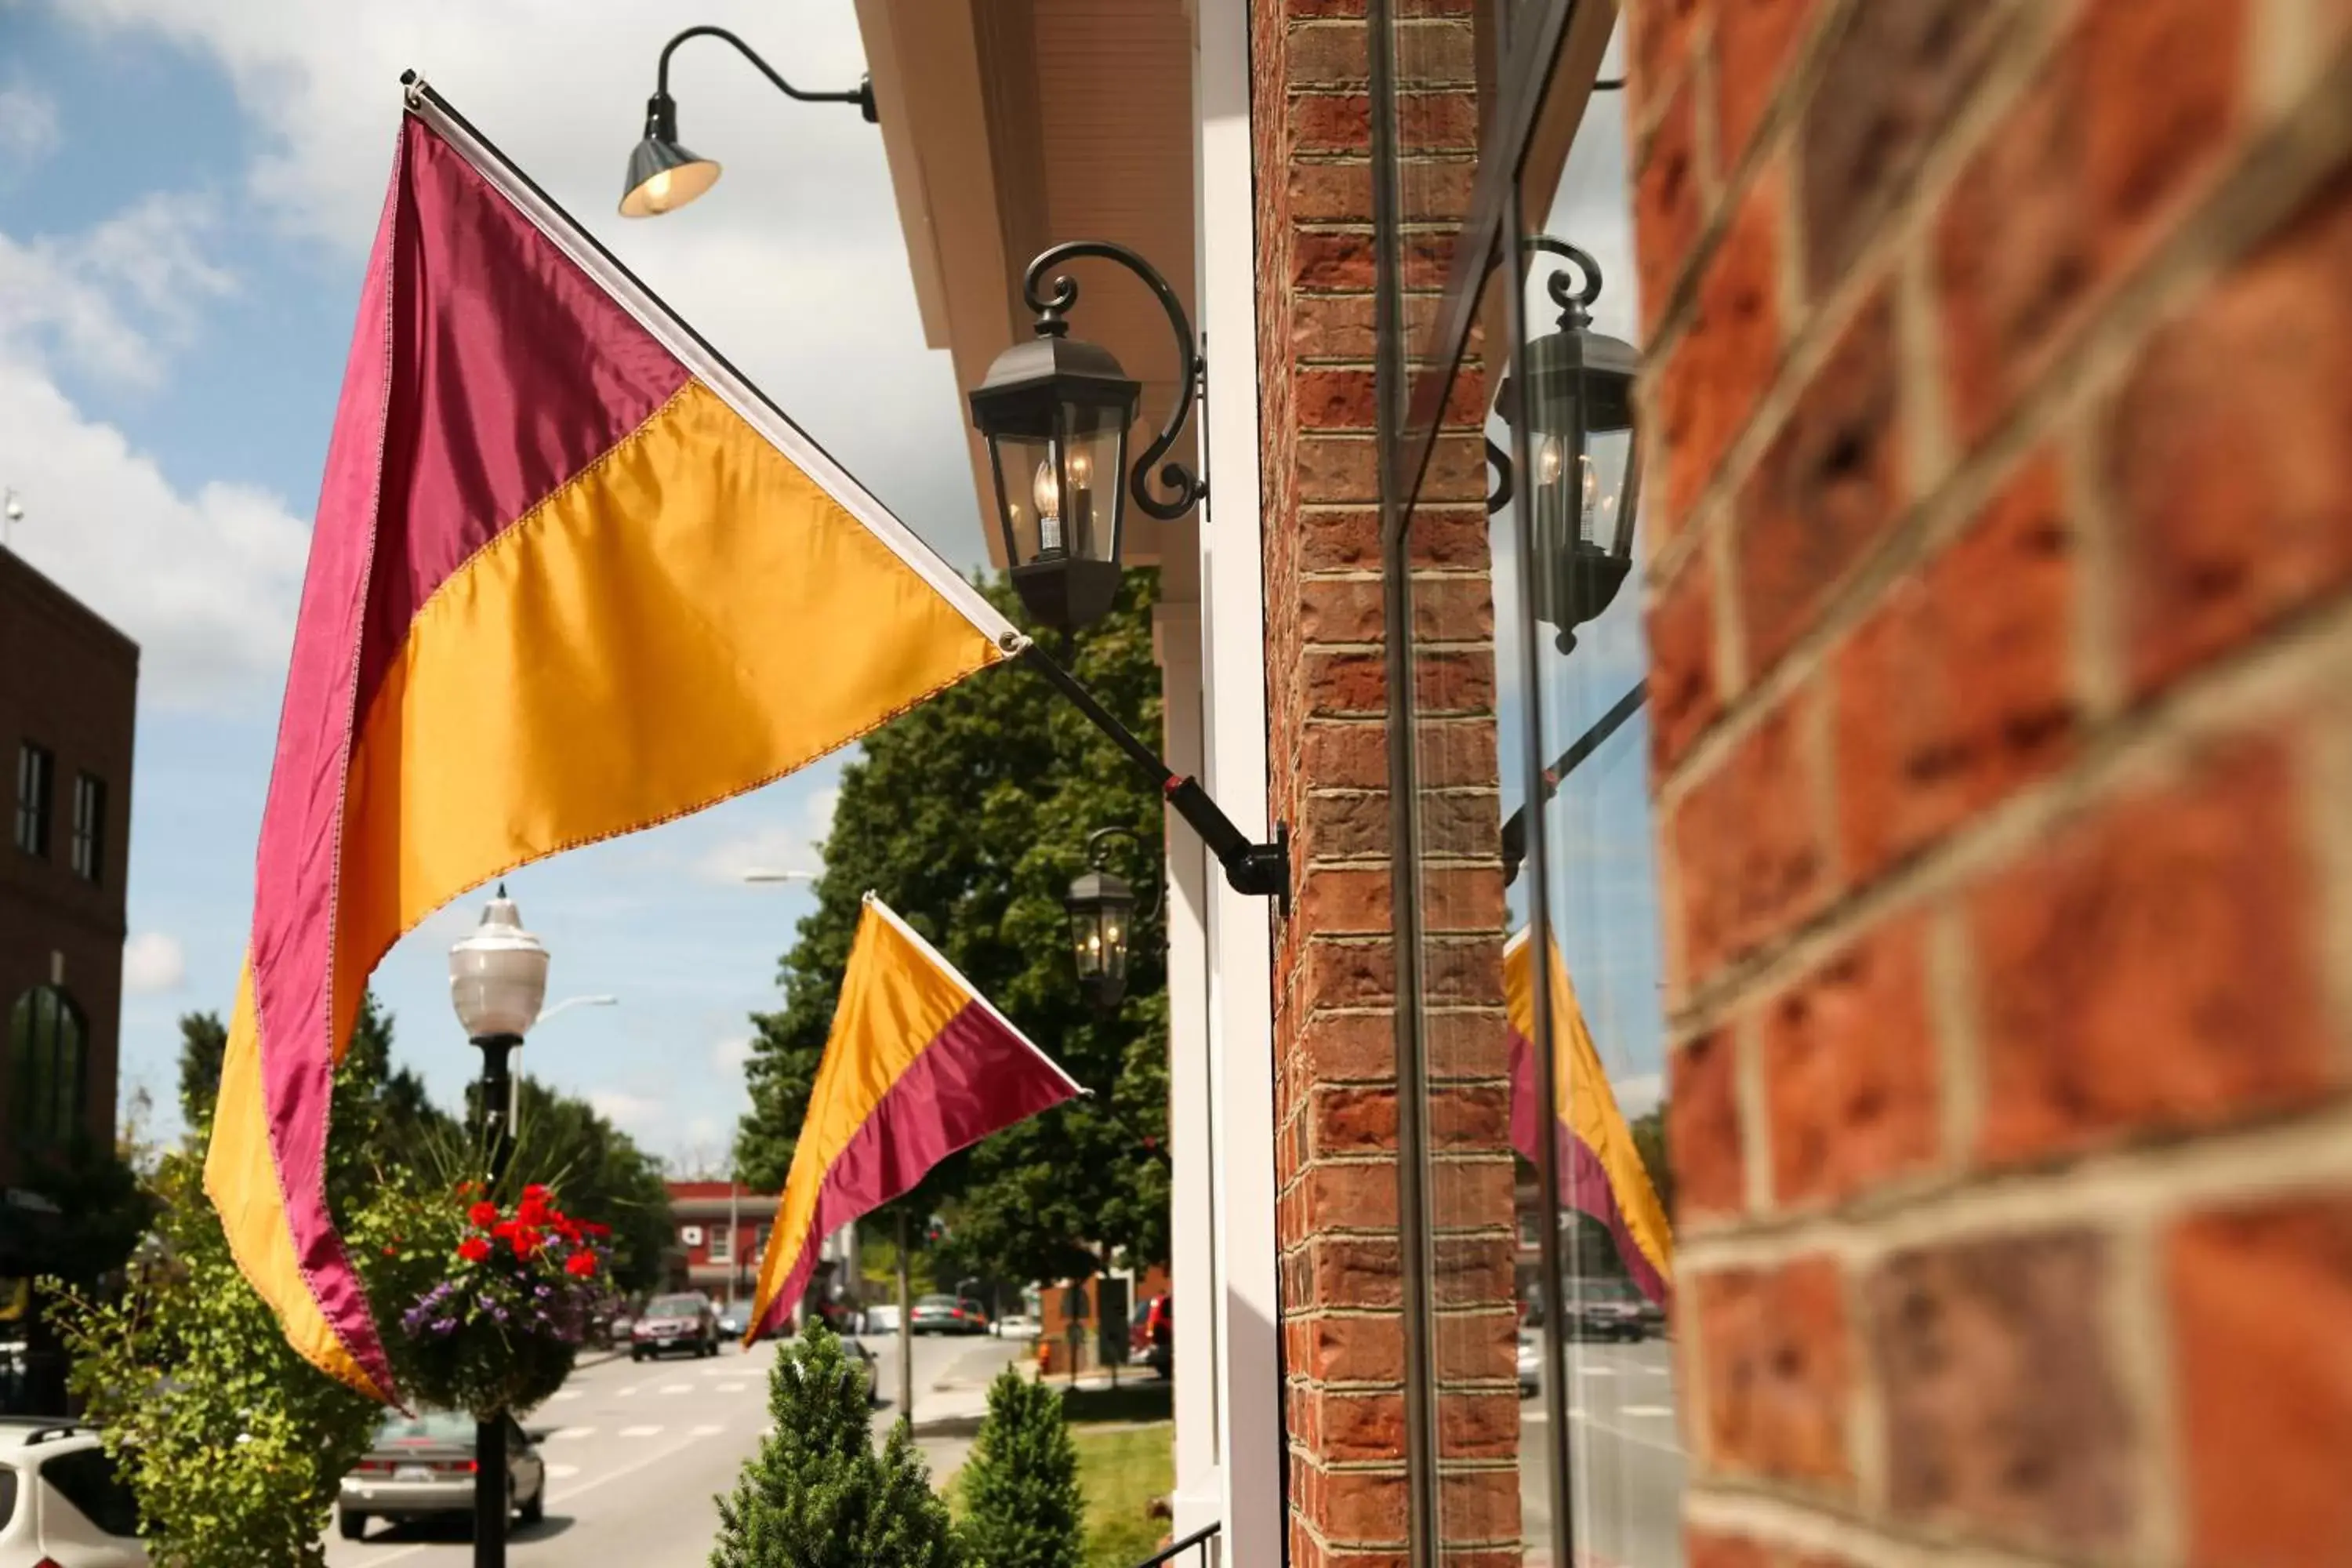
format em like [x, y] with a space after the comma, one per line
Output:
[722, 1228]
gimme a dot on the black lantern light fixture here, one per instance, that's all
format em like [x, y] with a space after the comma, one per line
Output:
[663, 177]
[1055, 412]
[1101, 906]
[1572, 406]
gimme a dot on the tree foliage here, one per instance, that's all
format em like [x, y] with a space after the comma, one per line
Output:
[232, 1443]
[600, 1173]
[969, 816]
[1023, 1506]
[816, 1495]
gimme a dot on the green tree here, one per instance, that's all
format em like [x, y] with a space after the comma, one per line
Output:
[1023, 1506]
[600, 1173]
[969, 816]
[232, 1443]
[1650, 1141]
[816, 1495]
[204, 1042]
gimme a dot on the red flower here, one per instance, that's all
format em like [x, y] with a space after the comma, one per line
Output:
[579, 1264]
[485, 1214]
[535, 1191]
[392, 1252]
[473, 1249]
[525, 1241]
[467, 1189]
[599, 1231]
[567, 1227]
[533, 1211]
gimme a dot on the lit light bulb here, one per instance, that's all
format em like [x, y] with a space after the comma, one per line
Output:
[1548, 460]
[657, 192]
[1046, 491]
[1082, 472]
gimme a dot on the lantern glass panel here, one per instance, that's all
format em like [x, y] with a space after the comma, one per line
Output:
[1091, 489]
[1028, 532]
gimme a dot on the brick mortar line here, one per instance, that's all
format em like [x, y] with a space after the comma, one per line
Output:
[2257, 1162]
[1818, 321]
[2303, 655]
[1817, 1523]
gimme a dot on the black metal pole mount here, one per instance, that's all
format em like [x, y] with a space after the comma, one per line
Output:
[1053, 311]
[1258, 870]
[662, 106]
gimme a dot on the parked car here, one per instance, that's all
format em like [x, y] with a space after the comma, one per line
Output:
[1530, 1364]
[1153, 1340]
[1608, 1315]
[60, 1500]
[732, 1322]
[423, 1466]
[879, 1320]
[1015, 1326]
[946, 1315]
[686, 1323]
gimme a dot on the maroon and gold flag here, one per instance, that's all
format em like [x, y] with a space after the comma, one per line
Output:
[1600, 1171]
[569, 577]
[917, 1065]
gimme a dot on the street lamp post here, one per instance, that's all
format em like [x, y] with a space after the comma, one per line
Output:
[498, 981]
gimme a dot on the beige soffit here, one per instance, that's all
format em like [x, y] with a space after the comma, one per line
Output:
[1014, 125]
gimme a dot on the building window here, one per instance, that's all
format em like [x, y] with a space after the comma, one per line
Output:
[1524, 728]
[722, 1244]
[36, 771]
[88, 845]
[48, 1066]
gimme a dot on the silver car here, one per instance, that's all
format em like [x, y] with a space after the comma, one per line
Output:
[423, 1467]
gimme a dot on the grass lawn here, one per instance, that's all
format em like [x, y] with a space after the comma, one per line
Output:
[1121, 1472]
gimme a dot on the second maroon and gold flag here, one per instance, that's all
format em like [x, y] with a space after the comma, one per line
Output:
[917, 1065]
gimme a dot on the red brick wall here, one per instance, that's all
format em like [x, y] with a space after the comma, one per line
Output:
[2000, 584]
[1336, 959]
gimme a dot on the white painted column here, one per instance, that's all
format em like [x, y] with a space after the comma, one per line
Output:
[1192, 1262]
[1232, 617]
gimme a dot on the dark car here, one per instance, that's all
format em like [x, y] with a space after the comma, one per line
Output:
[423, 1466]
[946, 1315]
[686, 1323]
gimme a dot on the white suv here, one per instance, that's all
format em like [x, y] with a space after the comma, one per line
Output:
[62, 1504]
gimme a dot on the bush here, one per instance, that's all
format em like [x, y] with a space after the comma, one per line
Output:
[817, 1495]
[1023, 1506]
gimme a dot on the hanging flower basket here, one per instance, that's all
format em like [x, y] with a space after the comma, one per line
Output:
[501, 1332]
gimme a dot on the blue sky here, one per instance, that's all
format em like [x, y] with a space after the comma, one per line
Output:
[187, 190]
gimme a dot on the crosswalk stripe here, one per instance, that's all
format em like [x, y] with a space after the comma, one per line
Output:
[706, 1431]
[562, 1434]
[625, 1393]
[569, 1394]
[562, 1472]
[728, 1388]
[677, 1388]
[640, 1431]
[1652, 1410]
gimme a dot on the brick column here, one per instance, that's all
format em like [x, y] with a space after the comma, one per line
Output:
[2000, 536]
[1336, 974]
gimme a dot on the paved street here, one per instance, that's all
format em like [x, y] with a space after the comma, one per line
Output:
[637, 1453]
[1626, 1455]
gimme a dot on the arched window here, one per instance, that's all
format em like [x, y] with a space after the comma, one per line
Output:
[48, 1065]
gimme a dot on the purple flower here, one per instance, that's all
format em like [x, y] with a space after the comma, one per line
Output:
[444, 1325]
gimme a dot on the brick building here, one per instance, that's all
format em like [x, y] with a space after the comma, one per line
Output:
[722, 1228]
[1925, 751]
[68, 692]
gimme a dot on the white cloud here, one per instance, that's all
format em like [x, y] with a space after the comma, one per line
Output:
[28, 125]
[1638, 1095]
[775, 847]
[636, 1114]
[153, 963]
[728, 1056]
[206, 580]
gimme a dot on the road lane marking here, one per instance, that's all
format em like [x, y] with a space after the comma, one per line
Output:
[640, 1431]
[569, 1394]
[706, 1431]
[1624, 1437]
[677, 1388]
[562, 1472]
[564, 1433]
[1596, 1372]
[625, 1393]
[728, 1388]
[1652, 1410]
